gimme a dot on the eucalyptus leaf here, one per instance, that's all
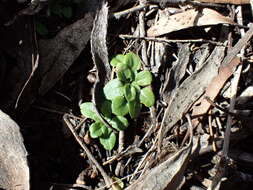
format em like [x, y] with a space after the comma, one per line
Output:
[113, 89]
[88, 110]
[120, 58]
[129, 92]
[97, 129]
[133, 61]
[119, 123]
[108, 141]
[147, 97]
[143, 78]
[119, 106]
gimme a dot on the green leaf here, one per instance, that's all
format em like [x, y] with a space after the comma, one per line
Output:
[134, 108]
[41, 29]
[120, 58]
[119, 106]
[137, 87]
[97, 129]
[55, 9]
[147, 97]
[106, 108]
[113, 89]
[108, 141]
[67, 12]
[133, 61]
[119, 123]
[118, 182]
[143, 78]
[88, 110]
[129, 92]
[124, 73]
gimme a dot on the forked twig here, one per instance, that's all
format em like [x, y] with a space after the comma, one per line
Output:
[107, 179]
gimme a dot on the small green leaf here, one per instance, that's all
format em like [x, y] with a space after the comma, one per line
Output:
[97, 129]
[124, 73]
[147, 97]
[129, 92]
[113, 89]
[55, 9]
[119, 123]
[137, 87]
[88, 110]
[119, 106]
[133, 61]
[108, 141]
[67, 12]
[134, 108]
[119, 182]
[106, 108]
[41, 29]
[120, 58]
[143, 78]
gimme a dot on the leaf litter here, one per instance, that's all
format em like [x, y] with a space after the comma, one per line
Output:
[180, 142]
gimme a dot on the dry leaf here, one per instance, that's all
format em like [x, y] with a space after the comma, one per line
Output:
[169, 174]
[190, 90]
[214, 87]
[59, 53]
[187, 19]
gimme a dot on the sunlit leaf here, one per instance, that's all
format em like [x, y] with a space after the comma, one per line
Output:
[97, 129]
[119, 106]
[119, 182]
[143, 78]
[147, 97]
[129, 92]
[124, 73]
[137, 87]
[119, 123]
[133, 61]
[113, 89]
[108, 141]
[88, 110]
[120, 58]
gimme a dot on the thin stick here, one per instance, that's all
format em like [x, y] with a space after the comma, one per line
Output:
[233, 92]
[211, 132]
[107, 179]
[169, 41]
[131, 10]
[143, 33]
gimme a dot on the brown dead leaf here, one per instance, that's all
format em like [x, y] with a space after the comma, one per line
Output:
[187, 19]
[202, 106]
[190, 90]
[169, 174]
[59, 53]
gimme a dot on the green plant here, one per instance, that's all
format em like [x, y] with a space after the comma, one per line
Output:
[63, 8]
[123, 95]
